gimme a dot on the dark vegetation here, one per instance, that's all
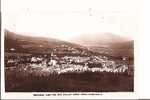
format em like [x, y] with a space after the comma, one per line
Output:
[69, 82]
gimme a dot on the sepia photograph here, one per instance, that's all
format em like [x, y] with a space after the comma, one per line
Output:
[69, 50]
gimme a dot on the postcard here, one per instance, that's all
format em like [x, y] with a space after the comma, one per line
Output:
[62, 49]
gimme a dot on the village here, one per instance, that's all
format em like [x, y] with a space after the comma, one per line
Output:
[71, 60]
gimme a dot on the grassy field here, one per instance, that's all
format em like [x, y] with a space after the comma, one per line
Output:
[68, 82]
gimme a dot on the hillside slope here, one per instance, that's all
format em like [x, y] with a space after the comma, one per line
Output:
[28, 44]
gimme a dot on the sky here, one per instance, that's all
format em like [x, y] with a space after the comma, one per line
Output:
[65, 19]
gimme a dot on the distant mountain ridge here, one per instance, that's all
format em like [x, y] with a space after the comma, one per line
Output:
[100, 39]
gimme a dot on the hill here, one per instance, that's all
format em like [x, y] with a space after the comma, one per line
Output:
[104, 44]
[28, 44]
[107, 43]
